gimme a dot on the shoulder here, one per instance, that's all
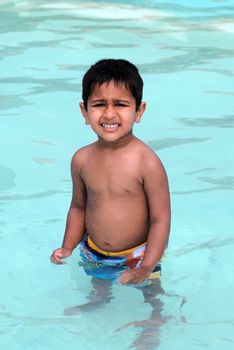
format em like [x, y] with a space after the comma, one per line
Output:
[83, 152]
[81, 155]
[146, 154]
[149, 160]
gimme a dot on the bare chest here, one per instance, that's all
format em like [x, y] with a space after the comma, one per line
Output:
[112, 177]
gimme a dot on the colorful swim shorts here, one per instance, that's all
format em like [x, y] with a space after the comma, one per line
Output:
[109, 265]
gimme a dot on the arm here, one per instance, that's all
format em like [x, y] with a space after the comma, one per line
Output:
[157, 192]
[75, 225]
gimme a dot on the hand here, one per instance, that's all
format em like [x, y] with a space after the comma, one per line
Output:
[60, 254]
[136, 275]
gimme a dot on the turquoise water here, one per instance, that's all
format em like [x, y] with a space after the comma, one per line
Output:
[184, 50]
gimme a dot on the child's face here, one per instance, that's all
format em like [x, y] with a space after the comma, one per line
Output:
[111, 112]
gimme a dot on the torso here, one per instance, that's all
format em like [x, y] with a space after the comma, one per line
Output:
[117, 215]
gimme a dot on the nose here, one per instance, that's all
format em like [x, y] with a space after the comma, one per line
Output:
[110, 111]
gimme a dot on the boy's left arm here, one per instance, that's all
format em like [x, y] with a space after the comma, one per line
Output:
[157, 192]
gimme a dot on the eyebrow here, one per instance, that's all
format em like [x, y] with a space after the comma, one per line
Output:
[116, 100]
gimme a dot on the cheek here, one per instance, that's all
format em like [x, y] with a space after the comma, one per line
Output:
[93, 118]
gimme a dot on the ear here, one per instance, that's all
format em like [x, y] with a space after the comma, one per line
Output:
[84, 112]
[140, 112]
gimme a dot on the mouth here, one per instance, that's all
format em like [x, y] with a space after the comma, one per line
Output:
[110, 127]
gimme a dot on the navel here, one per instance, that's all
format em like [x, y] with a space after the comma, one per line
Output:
[107, 243]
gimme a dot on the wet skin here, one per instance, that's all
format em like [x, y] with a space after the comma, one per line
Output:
[120, 188]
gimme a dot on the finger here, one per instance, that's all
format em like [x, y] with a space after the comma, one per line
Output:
[56, 260]
[135, 279]
[58, 254]
[125, 277]
[53, 260]
[128, 278]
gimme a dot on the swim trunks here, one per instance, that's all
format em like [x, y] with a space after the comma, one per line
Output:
[109, 265]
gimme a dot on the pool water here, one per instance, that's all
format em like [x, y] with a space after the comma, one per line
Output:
[185, 53]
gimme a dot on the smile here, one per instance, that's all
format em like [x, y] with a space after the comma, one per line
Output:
[110, 126]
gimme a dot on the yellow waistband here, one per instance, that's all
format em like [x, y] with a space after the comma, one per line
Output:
[93, 246]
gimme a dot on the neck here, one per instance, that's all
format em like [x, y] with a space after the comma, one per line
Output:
[123, 142]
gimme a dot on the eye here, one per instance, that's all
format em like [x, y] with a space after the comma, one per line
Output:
[99, 104]
[121, 104]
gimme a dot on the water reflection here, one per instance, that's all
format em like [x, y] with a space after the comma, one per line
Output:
[211, 244]
[171, 142]
[38, 321]
[219, 92]
[224, 72]
[222, 183]
[177, 63]
[199, 171]
[12, 101]
[7, 178]
[80, 22]
[44, 142]
[31, 196]
[219, 184]
[149, 335]
[44, 85]
[189, 58]
[219, 122]
[43, 160]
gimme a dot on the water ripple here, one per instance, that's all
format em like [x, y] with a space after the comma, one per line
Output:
[222, 122]
[171, 142]
[219, 92]
[222, 183]
[211, 244]
[20, 197]
[12, 101]
[43, 321]
[225, 183]
[194, 56]
[199, 171]
[224, 72]
[48, 85]
[43, 160]
[7, 178]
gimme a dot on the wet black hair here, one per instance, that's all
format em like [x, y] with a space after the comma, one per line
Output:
[120, 71]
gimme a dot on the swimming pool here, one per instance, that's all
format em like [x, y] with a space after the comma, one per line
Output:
[184, 51]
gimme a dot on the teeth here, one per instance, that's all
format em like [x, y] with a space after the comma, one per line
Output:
[110, 126]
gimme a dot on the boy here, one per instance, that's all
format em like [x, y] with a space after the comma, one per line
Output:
[120, 207]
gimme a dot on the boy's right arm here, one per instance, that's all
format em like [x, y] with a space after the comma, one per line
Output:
[75, 225]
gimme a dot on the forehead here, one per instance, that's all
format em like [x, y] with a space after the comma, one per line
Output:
[111, 90]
